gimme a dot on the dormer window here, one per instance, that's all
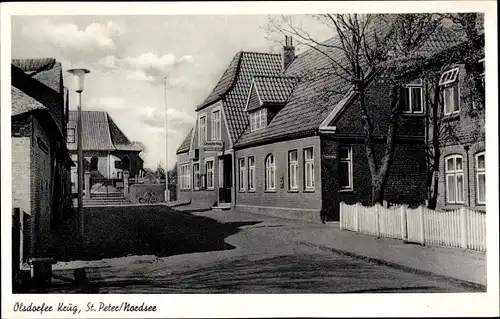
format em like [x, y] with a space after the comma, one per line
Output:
[258, 119]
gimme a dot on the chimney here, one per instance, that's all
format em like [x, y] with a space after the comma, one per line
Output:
[288, 53]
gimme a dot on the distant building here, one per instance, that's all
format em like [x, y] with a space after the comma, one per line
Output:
[107, 151]
[40, 159]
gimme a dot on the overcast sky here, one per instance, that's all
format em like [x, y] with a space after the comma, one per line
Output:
[128, 57]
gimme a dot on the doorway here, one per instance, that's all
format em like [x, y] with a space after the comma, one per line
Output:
[225, 179]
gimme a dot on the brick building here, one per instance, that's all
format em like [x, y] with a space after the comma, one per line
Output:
[278, 145]
[40, 159]
[461, 125]
[107, 151]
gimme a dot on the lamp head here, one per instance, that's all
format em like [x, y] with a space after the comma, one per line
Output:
[78, 76]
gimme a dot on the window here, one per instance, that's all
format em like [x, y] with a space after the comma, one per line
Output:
[241, 176]
[258, 119]
[293, 170]
[454, 174]
[210, 174]
[202, 132]
[185, 176]
[451, 93]
[480, 179]
[449, 77]
[196, 176]
[216, 126]
[309, 169]
[270, 173]
[251, 173]
[413, 101]
[345, 168]
[71, 135]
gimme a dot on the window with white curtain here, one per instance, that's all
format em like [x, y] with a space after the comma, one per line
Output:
[454, 175]
[242, 173]
[293, 170]
[309, 169]
[270, 173]
[216, 125]
[251, 173]
[480, 178]
[210, 174]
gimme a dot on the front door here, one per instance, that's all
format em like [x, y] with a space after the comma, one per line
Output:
[225, 179]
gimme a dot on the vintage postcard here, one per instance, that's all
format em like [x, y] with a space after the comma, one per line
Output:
[249, 159]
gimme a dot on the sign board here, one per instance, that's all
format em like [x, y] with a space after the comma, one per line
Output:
[213, 145]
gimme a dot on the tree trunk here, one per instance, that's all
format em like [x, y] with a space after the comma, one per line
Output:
[436, 147]
[380, 182]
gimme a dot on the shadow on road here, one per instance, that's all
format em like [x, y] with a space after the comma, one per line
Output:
[112, 232]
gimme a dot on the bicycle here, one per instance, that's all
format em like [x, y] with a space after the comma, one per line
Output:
[148, 198]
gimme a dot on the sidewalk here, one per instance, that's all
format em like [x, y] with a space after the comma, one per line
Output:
[455, 263]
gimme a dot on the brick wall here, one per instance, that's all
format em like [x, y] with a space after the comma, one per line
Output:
[378, 103]
[21, 157]
[41, 187]
[300, 204]
[21, 172]
[406, 182]
[466, 129]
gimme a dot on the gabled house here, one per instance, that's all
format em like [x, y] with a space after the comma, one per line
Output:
[40, 159]
[107, 151]
[297, 152]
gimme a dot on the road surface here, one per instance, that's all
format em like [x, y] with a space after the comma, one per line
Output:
[154, 249]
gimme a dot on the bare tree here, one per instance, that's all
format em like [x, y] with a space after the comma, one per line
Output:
[365, 46]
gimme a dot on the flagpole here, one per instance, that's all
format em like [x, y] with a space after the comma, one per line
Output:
[167, 193]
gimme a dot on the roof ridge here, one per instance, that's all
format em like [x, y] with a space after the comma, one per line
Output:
[256, 52]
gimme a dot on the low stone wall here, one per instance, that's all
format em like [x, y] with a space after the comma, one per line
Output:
[146, 193]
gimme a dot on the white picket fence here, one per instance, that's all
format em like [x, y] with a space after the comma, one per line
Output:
[463, 227]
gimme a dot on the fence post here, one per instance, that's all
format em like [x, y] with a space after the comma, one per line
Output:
[356, 207]
[422, 230]
[87, 185]
[377, 220]
[463, 227]
[341, 215]
[125, 183]
[404, 232]
[385, 204]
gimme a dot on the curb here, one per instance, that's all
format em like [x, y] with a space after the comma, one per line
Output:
[472, 285]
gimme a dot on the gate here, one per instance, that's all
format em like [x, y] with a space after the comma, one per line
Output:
[105, 187]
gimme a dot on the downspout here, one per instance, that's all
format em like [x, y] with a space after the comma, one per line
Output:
[466, 148]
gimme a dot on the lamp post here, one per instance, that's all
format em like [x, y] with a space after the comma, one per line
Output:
[167, 192]
[78, 76]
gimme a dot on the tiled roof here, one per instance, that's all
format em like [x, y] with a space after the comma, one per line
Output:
[23, 103]
[308, 105]
[274, 89]
[226, 81]
[186, 143]
[46, 70]
[251, 64]
[99, 132]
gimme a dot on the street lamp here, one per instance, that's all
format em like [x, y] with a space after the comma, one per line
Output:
[78, 76]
